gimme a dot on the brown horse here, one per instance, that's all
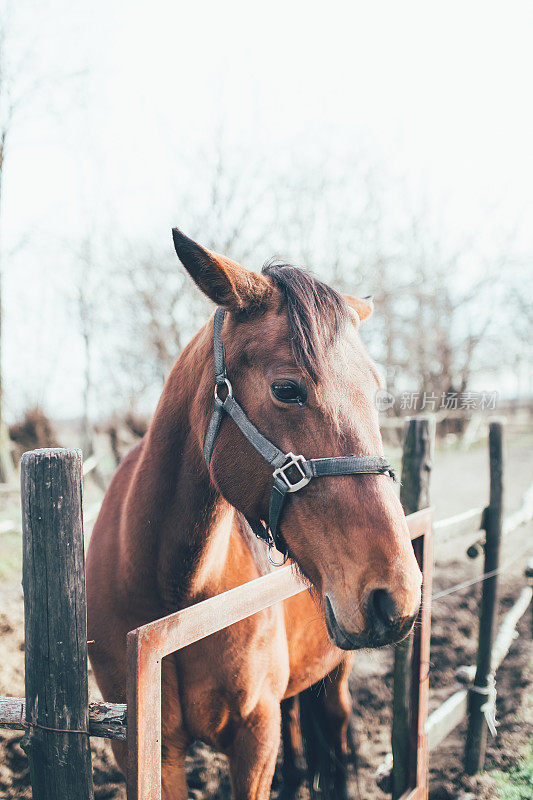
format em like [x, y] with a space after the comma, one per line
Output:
[172, 532]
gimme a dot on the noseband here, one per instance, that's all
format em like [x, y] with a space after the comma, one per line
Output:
[291, 473]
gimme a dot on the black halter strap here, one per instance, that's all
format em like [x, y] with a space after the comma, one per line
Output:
[290, 472]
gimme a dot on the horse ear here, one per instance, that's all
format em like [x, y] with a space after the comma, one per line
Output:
[363, 307]
[225, 282]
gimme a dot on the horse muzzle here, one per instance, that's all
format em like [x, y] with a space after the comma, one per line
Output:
[384, 625]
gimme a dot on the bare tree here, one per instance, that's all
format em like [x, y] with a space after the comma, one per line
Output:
[443, 318]
[8, 106]
[86, 293]
[517, 306]
[157, 307]
[23, 86]
[435, 292]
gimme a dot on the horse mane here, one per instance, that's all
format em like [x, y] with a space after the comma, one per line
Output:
[317, 315]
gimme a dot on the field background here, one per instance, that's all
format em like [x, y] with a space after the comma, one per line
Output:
[459, 482]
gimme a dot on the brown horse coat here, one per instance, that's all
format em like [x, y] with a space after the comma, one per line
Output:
[170, 532]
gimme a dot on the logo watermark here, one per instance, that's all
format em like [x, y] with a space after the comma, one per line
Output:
[431, 401]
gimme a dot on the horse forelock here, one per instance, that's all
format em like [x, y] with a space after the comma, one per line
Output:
[317, 316]
[323, 340]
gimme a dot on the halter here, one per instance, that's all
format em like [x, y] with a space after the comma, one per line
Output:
[291, 472]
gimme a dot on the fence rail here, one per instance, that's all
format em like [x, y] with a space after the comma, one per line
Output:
[106, 720]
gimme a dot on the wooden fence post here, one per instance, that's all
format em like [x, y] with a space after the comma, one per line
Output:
[476, 738]
[414, 495]
[55, 626]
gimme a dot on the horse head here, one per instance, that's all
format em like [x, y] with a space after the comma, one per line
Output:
[301, 373]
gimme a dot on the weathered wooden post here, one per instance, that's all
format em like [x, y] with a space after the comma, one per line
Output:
[482, 690]
[53, 579]
[414, 495]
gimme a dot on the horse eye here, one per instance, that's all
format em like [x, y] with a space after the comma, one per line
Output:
[289, 392]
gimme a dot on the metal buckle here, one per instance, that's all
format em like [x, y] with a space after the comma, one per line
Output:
[293, 461]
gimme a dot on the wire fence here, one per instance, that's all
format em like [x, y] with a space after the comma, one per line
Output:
[465, 584]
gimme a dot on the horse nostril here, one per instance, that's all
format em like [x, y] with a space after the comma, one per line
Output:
[383, 607]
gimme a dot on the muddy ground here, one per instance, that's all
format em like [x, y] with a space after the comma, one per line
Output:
[460, 481]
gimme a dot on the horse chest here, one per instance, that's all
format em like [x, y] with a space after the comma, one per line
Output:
[224, 677]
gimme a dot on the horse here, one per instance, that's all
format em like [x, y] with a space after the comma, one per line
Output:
[186, 512]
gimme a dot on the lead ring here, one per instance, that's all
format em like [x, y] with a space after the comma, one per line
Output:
[228, 387]
[275, 563]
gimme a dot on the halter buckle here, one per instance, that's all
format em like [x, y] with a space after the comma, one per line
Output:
[281, 472]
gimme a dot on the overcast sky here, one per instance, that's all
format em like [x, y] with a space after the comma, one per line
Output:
[438, 92]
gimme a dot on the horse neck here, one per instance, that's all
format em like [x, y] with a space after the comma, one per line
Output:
[179, 522]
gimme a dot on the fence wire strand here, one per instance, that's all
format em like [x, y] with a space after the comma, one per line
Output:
[458, 586]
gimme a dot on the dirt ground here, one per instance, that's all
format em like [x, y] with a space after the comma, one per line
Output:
[460, 481]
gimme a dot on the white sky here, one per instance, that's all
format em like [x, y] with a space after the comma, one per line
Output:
[439, 92]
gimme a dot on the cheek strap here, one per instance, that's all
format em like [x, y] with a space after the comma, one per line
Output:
[290, 472]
